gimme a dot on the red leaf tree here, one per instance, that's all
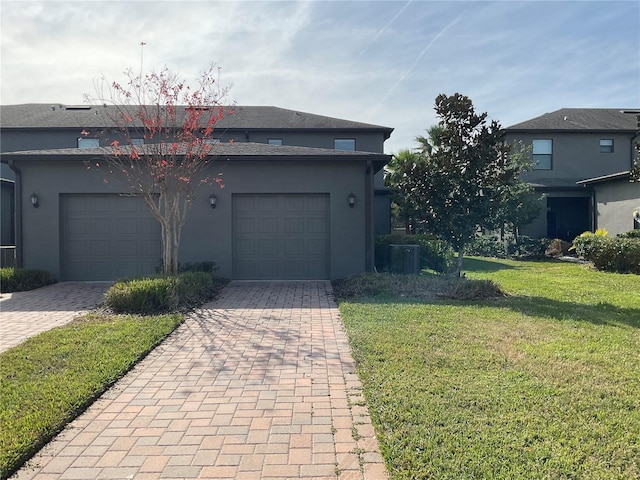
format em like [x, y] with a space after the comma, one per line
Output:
[160, 132]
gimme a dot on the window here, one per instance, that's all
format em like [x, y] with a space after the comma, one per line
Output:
[137, 141]
[542, 151]
[344, 144]
[606, 145]
[274, 141]
[88, 143]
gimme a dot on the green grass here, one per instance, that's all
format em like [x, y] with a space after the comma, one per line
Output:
[51, 378]
[544, 383]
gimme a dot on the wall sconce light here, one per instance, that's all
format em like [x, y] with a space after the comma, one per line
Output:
[213, 200]
[34, 200]
[351, 199]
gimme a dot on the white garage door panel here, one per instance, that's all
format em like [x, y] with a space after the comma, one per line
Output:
[107, 237]
[281, 236]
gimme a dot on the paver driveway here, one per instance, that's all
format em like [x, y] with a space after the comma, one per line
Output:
[259, 384]
[25, 314]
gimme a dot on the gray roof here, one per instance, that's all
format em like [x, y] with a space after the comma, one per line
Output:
[227, 149]
[583, 119]
[606, 178]
[52, 115]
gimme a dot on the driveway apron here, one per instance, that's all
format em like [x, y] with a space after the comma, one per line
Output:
[259, 384]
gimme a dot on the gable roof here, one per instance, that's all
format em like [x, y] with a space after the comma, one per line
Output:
[46, 115]
[582, 119]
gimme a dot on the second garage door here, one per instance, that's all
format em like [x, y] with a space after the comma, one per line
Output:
[280, 236]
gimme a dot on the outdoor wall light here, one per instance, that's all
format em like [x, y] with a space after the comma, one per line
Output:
[351, 199]
[213, 200]
[34, 200]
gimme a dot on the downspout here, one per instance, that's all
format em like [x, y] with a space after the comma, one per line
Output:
[17, 213]
[368, 212]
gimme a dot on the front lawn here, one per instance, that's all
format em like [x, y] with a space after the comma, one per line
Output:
[544, 383]
[49, 379]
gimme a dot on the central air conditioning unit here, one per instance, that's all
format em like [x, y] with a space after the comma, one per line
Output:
[405, 259]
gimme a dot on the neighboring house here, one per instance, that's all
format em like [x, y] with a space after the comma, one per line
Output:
[285, 211]
[617, 202]
[578, 155]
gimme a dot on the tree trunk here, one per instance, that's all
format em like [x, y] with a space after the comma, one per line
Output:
[460, 255]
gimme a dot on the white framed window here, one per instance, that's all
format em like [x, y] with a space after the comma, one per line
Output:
[344, 144]
[88, 142]
[606, 145]
[542, 154]
[275, 141]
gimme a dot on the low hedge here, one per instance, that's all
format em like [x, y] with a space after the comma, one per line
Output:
[163, 294]
[21, 279]
[614, 254]
[434, 254]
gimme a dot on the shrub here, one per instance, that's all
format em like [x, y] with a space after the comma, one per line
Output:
[21, 279]
[558, 248]
[162, 294]
[207, 267]
[434, 254]
[618, 254]
[464, 289]
[486, 246]
[630, 234]
[419, 286]
[528, 248]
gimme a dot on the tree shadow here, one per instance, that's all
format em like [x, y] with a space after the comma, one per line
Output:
[474, 264]
[596, 314]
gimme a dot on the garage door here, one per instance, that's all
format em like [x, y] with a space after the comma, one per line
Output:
[282, 236]
[107, 237]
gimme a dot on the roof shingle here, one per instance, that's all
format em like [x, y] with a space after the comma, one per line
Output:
[40, 115]
[583, 119]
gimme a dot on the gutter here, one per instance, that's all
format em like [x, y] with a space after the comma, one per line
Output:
[17, 214]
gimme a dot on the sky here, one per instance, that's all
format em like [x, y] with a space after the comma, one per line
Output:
[379, 62]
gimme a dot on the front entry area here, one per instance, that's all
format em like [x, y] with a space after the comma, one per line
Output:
[280, 236]
[568, 217]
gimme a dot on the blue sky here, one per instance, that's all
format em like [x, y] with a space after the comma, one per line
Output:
[380, 62]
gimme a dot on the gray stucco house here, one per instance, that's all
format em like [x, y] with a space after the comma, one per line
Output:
[582, 160]
[299, 200]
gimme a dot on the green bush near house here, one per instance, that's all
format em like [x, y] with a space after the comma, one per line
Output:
[613, 254]
[486, 246]
[163, 294]
[524, 248]
[435, 254]
[21, 279]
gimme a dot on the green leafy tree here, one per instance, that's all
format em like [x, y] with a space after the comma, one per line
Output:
[517, 204]
[397, 171]
[464, 176]
[176, 122]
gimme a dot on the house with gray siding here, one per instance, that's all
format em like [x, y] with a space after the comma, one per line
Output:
[582, 159]
[302, 197]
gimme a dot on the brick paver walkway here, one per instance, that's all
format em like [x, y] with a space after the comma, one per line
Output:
[25, 314]
[257, 385]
